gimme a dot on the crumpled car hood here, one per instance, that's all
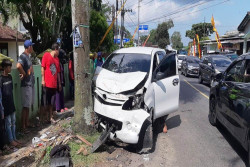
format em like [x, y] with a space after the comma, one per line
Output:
[117, 82]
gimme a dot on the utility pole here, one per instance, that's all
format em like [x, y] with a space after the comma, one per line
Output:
[113, 17]
[116, 33]
[122, 22]
[83, 100]
[138, 21]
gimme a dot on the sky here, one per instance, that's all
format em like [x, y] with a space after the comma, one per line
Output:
[228, 14]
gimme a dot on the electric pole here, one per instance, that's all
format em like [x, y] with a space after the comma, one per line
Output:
[113, 17]
[122, 22]
[83, 101]
[138, 21]
[116, 33]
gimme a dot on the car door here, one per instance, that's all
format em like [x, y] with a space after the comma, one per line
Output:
[166, 89]
[228, 92]
[209, 69]
[240, 96]
[183, 65]
[203, 67]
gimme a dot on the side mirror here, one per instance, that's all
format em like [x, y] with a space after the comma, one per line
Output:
[159, 76]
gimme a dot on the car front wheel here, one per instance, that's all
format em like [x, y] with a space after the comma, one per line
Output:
[145, 143]
[212, 112]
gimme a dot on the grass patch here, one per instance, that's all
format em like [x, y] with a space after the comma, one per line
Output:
[82, 160]
[46, 159]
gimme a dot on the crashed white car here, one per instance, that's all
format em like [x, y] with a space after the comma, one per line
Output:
[134, 87]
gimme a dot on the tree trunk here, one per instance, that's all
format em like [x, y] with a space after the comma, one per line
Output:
[83, 100]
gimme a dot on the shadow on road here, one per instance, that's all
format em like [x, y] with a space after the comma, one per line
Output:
[172, 122]
[235, 145]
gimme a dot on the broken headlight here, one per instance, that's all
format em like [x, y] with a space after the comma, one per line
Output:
[134, 102]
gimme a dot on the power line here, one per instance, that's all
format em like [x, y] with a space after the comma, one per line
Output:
[192, 12]
[179, 10]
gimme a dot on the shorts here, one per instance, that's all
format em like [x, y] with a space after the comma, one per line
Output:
[47, 96]
[28, 96]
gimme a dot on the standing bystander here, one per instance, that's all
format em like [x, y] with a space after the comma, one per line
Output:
[60, 93]
[71, 76]
[24, 66]
[8, 103]
[50, 79]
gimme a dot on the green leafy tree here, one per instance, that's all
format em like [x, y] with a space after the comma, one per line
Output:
[202, 29]
[98, 27]
[143, 38]
[129, 44]
[176, 40]
[42, 18]
[162, 35]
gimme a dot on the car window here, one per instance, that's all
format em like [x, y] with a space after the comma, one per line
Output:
[193, 60]
[232, 57]
[247, 73]
[161, 55]
[235, 73]
[181, 57]
[168, 66]
[221, 61]
[127, 62]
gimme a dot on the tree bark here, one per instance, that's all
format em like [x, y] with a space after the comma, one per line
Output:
[83, 100]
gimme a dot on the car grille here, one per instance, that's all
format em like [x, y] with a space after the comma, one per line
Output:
[105, 102]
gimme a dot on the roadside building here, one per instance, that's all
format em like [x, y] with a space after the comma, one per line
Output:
[244, 28]
[237, 41]
[11, 43]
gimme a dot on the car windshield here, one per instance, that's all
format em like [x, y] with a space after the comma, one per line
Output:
[232, 57]
[221, 61]
[193, 60]
[181, 57]
[127, 62]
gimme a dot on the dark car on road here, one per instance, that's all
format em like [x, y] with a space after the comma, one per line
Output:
[212, 65]
[190, 66]
[230, 100]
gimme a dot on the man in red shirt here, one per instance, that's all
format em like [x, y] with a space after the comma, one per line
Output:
[50, 78]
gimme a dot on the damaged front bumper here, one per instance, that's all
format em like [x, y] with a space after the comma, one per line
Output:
[127, 123]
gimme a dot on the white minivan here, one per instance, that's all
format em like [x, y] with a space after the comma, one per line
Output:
[133, 88]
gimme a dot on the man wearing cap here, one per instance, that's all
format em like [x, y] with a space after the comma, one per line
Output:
[24, 66]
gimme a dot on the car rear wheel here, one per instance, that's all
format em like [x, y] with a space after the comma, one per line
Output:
[200, 79]
[212, 112]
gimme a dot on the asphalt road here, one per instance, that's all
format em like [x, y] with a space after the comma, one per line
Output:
[195, 141]
[191, 141]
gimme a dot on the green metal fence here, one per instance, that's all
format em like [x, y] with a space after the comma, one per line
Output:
[37, 100]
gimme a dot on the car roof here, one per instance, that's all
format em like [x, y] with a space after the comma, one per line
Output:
[244, 56]
[216, 56]
[138, 50]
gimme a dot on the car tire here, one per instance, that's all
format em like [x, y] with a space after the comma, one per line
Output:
[145, 142]
[212, 112]
[200, 79]
[185, 73]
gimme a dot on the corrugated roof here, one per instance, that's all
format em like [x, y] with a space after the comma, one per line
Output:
[8, 34]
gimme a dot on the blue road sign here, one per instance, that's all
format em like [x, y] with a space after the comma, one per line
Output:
[143, 27]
